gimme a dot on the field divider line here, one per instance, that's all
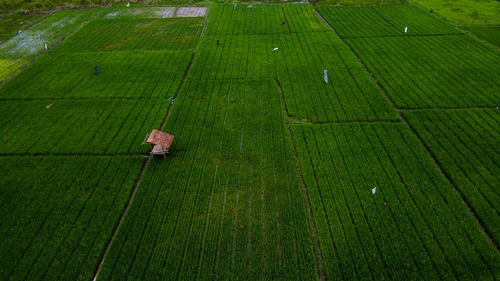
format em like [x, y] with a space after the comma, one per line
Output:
[72, 155]
[294, 122]
[81, 99]
[404, 36]
[310, 218]
[480, 225]
[146, 163]
[445, 108]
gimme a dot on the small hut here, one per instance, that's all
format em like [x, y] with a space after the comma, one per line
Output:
[161, 142]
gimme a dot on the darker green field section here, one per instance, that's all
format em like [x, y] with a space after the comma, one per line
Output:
[384, 21]
[466, 144]
[226, 203]
[414, 227]
[489, 33]
[433, 72]
[78, 126]
[59, 212]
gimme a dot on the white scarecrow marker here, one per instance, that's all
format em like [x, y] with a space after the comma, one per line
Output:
[45, 46]
[374, 190]
[326, 77]
[275, 49]
[406, 29]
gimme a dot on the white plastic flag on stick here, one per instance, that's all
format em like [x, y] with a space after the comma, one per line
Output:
[326, 77]
[374, 190]
[406, 29]
[275, 49]
[45, 46]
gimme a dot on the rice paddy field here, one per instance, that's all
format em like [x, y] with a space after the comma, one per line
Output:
[311, 143]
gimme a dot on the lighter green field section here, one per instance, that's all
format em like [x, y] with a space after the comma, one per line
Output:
[124, 74]
[141, 12]
[59, 212]
[358, 2]
[131, 63]
[11, 24]
[465, 12]
[31, 42]
[414, 227]
[126, 33]
[466, 144]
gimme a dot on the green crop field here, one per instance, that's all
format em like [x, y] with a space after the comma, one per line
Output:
[489, 33]
[27, 44]
[311, 143]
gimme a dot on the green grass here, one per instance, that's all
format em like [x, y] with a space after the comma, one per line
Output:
[129, 33]
[378, 21]
[304, 51]
[414, 227]
[271, 168]
[465, 143]
[11, 24]
[465, 12]
[59, 212]
[124, 74]
[26, 45]
[358, 2]
[489, 33]
[227, 202]
[433, 72]
[94, 126]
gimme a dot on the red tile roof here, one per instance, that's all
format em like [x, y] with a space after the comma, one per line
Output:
[160, 138]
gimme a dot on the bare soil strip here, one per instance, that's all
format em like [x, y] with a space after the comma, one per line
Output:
[190, 12]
